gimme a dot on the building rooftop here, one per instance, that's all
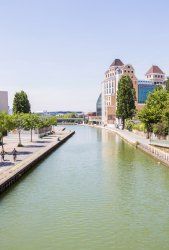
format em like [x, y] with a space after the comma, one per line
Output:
[154, 69]
[117, 62]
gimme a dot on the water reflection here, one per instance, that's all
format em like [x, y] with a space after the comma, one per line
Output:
[94, 192]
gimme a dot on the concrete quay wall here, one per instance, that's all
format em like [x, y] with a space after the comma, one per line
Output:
[140, 143]
[20, 169]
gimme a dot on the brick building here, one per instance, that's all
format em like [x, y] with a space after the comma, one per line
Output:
[154, 76]
[110, 86]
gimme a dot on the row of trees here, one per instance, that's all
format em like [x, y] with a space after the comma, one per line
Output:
[21, 121]
[22, 118]
[155, 114]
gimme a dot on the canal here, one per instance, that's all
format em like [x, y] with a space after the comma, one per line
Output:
[95, 192]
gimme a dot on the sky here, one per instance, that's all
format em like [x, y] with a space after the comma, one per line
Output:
[58, 51]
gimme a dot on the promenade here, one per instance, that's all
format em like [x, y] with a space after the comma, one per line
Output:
[129, 136]
[29, 154]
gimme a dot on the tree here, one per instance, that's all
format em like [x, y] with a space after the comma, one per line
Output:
[45, 121]
[166, 113]
[152, 113]
[167, 84]
[6, 124]
[125, 99]
[21, 103]
[31, 122]
[18, 121]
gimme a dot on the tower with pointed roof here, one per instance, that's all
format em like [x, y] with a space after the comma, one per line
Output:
[156, 75]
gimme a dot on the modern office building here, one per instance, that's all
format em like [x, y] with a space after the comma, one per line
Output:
[4, 101]
[144, 89]
[99, 106]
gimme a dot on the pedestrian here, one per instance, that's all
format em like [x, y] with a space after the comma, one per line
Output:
[14, 153]
[2, 155]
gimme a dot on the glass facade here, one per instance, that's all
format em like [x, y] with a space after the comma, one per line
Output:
[99, 106]
[144, 88]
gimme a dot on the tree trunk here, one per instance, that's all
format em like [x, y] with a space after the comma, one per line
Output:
[2, 143]
[148, 134]
[123, 123]
[19, 133]
[31, 135]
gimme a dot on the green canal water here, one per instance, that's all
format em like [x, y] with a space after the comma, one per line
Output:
[96, 192]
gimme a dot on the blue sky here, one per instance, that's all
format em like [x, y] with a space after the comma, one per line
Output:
[58, 51]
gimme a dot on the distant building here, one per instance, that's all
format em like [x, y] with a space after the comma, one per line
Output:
[99, 106]
[156, 75]
[4, 101]
[144, 89]
[110, 86]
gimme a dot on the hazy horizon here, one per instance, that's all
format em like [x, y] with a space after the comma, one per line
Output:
[58, 51]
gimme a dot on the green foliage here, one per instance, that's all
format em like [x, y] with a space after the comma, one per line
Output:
[161, 128]
[31, 121]
[140, 127]
[21, 103]
[125, 99]
[6, 124]
[19, 124]
[166, 111]
[153, 111]
[45, 121]
[129, 125]
[21, 121]
[68, 115]
[167, 85]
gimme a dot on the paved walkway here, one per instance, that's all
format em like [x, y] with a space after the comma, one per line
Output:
[129, 136]
[28, 149]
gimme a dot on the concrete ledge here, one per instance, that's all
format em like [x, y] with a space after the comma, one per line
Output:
[159, 155]
[17, 171]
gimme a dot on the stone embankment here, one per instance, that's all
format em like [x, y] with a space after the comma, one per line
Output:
[141, 143]
[10, 175]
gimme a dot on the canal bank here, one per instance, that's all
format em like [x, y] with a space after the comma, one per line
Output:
[141, 143]
[10, 175]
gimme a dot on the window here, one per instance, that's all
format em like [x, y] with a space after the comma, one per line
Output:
[110, 117]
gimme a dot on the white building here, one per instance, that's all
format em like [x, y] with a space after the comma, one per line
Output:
[110, 87]
[4, 101]
[156, 75]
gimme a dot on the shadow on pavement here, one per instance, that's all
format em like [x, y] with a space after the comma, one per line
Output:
[43, 141]
[34, 146]
[24, 153]
[6, 164]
